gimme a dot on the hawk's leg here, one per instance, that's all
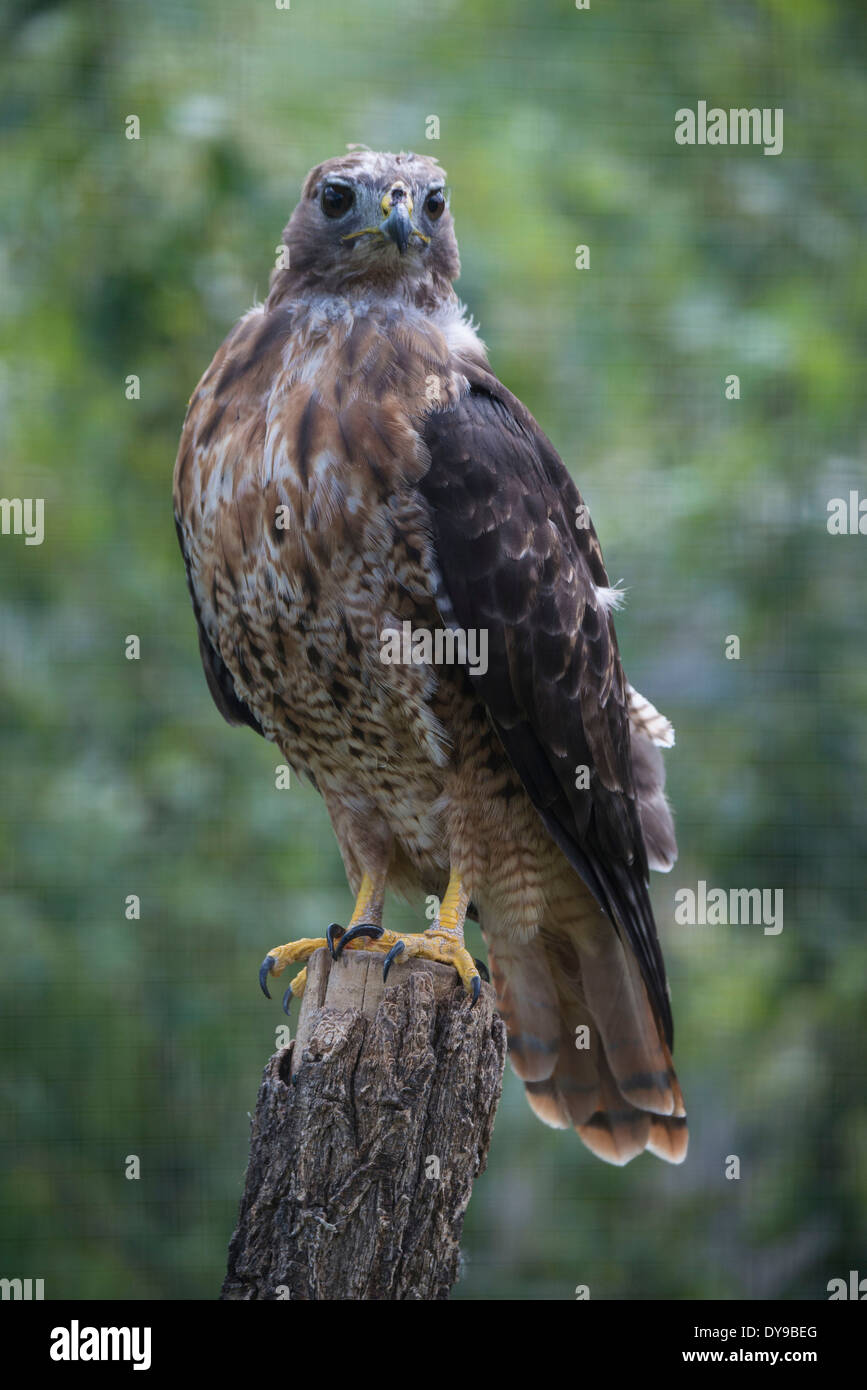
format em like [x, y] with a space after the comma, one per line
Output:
[443, 942]
[365, 920]
[368, 908]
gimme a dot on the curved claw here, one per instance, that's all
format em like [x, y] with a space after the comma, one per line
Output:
[287, 1000]
[363, 929]
[477, 988]
[397, 950]
[334, 932]
[264, 971]
[482, 969]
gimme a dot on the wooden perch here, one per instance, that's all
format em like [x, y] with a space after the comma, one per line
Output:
[369, 1131]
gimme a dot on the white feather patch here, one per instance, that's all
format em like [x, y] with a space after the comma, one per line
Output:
[610, 600]
[648, 719]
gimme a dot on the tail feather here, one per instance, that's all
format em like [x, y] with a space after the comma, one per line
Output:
[614, 1081]
[634, 1047]
[546, 1103]
[617, 1131]
[527, 1001]
[569, 1097]
[668, 1137]
[617, 1136]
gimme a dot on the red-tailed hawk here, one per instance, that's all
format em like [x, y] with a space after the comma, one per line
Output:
[396, 581]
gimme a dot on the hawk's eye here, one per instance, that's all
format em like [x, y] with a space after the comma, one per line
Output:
[434, 204]
[336, 199]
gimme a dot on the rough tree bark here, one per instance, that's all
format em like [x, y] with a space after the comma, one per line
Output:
[369, 1131]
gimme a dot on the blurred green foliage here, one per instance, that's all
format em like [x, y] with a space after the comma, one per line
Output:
[118, 777]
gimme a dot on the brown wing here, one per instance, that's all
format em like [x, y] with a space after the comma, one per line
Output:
[515, 559]
[223, 430]
[217, 674]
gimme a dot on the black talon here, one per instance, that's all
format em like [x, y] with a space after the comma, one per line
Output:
[264, 971]
[287, 1000]
[334, 931]
[482, 969]
[363, 929]
[397, 950]
[477, 988]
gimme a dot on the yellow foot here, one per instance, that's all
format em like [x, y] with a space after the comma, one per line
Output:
[429, 945]
[280, 956]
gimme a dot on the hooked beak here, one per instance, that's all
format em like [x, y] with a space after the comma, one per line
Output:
[398, 226]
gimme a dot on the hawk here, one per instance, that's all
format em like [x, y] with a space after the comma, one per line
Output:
[350, 469]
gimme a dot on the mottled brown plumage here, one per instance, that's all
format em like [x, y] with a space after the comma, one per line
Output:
[348, 464]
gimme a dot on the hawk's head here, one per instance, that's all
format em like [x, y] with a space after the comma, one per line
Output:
[368, 218]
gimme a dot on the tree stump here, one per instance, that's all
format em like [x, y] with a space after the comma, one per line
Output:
[369, 1131]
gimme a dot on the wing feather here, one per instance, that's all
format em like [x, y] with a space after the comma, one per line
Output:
[517, 557]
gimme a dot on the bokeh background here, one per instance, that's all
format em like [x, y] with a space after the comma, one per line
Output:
[118, 777]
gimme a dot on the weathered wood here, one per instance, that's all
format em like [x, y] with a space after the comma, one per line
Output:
[369, 1131]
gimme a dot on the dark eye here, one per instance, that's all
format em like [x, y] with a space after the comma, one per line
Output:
[434, 204]
[336, 199]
